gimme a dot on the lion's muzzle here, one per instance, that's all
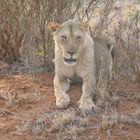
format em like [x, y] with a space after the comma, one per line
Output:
[70, 60]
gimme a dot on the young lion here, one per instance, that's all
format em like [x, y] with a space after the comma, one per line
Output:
[77, 53]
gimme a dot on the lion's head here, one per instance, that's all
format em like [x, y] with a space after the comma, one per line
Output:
[70, 39]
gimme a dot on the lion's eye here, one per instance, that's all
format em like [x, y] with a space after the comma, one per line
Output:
[64, 37]
[79, 38]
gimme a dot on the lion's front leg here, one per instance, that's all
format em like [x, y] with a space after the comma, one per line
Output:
[88, 88]
[61, 85]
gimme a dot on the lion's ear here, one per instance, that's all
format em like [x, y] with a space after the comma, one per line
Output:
[53, 26]
[85, 25]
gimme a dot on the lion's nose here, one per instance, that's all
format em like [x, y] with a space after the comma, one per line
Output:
[71, 52]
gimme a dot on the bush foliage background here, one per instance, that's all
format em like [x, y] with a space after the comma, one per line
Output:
[24, 37]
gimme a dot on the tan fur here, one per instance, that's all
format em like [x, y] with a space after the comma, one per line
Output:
[90, 54]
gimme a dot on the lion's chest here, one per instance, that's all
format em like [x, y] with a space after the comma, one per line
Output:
[68, 71]
[65, 71]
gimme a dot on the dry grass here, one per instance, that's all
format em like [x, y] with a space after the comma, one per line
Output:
[64, 124]
[19, 98]
[110, 119]
[63, 120]
[67, 125]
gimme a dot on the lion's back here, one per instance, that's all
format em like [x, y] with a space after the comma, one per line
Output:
[103, 59]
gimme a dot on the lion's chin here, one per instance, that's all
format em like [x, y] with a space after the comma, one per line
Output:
[70, 61]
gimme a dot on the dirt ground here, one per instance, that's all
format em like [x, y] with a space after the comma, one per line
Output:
[28, 112]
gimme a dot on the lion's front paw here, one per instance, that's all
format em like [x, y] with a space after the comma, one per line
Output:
[63, 101]
[86, 105]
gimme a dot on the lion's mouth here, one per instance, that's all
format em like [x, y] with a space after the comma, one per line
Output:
[69, 60]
